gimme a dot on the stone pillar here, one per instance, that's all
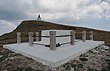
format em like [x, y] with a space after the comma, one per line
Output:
[72, 38]
[30, 38]
[84, 36]
[52, 40]
[91, 35]
[18, 37]
[37, 36]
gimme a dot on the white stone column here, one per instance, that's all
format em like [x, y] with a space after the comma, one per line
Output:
[84, 36]
[91, 35]
[30, 38]
[18, 37]
[72, 38]
[37, 36]
[52, 40]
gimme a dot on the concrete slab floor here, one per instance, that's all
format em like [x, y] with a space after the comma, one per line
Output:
[55, 58]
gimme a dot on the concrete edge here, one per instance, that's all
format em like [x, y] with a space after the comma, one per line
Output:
[49, 63]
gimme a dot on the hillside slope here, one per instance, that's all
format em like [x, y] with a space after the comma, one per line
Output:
[34, 25]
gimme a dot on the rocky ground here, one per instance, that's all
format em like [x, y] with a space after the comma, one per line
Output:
[97, 59]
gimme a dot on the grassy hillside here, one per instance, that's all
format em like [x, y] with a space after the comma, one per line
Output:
[34, 25]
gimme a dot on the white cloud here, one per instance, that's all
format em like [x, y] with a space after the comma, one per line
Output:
[55, 5]
[61, 11]
[76, 9]
[54, 9]
[6, 26]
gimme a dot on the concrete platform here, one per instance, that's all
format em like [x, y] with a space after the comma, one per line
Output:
[56, 58]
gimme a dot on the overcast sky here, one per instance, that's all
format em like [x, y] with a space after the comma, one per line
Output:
[89, 13]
